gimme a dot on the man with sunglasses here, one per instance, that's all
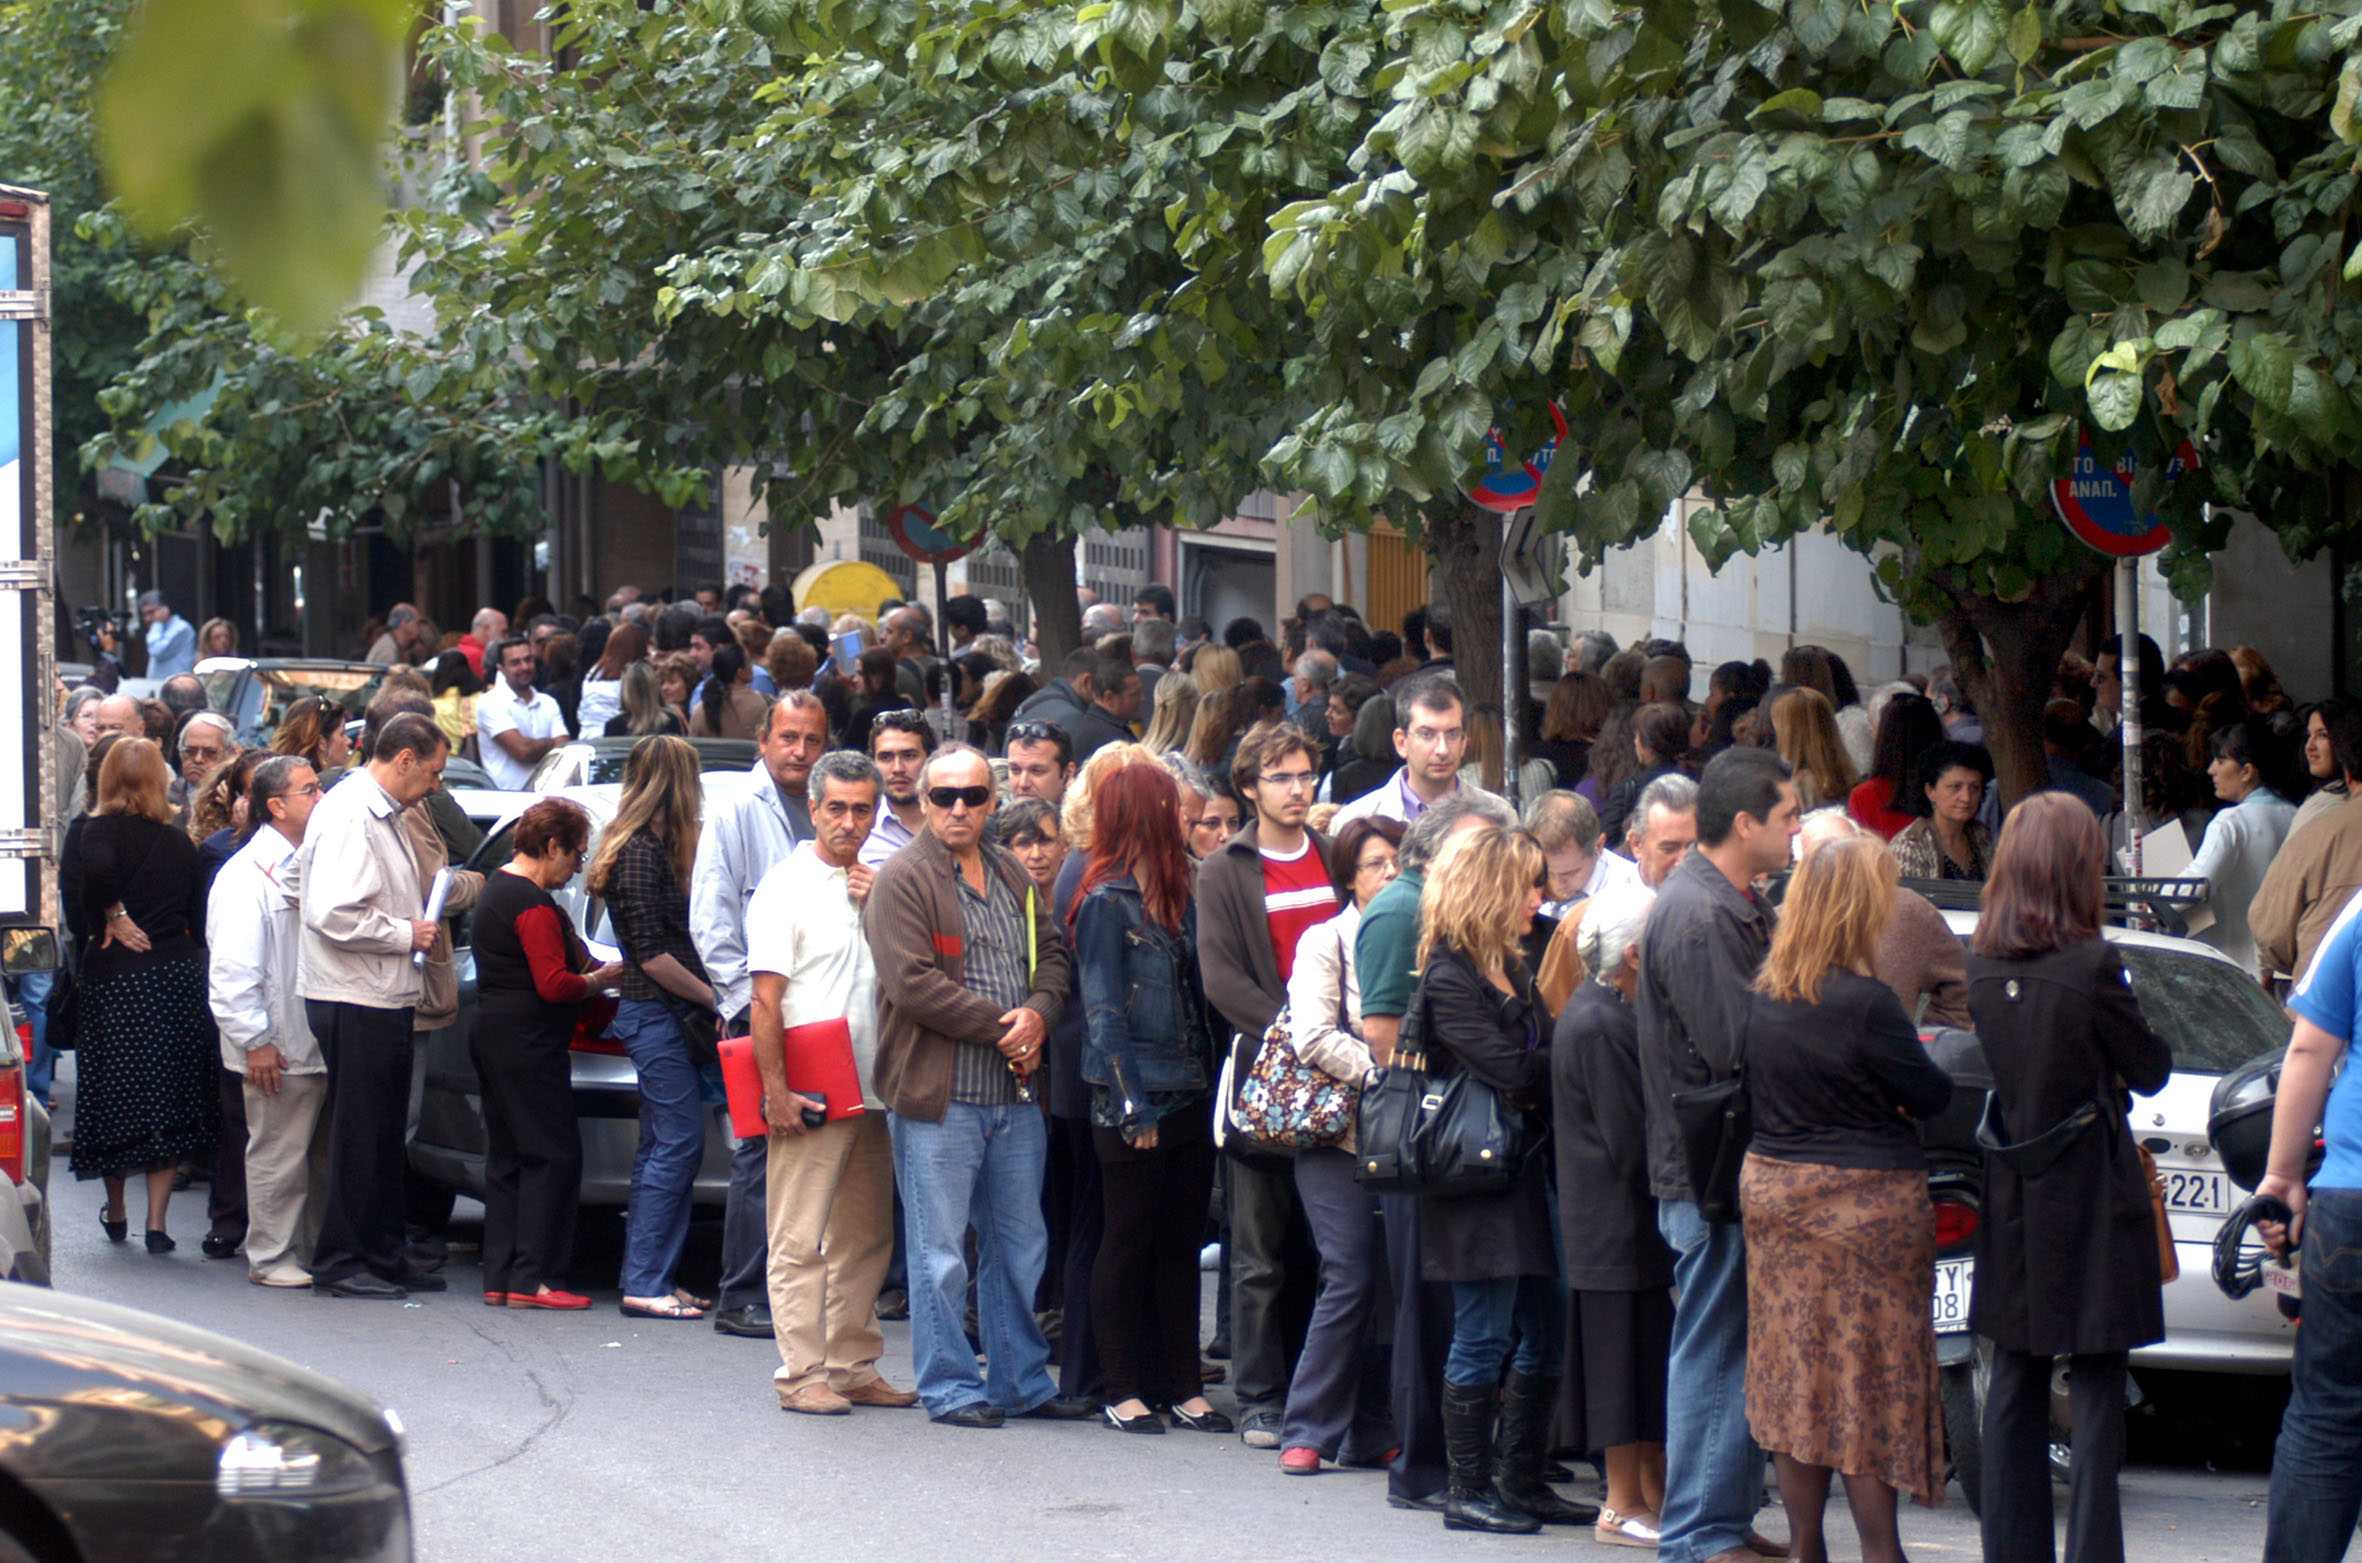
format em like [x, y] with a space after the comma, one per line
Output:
[1256, 895]
[1041, 760]
[899, 741]
[750, 828]
[972, 972]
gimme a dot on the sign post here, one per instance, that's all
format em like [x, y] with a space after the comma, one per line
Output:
[2095, 502]
[1529, 574]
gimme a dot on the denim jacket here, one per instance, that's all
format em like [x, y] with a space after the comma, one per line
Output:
[1148, 1044]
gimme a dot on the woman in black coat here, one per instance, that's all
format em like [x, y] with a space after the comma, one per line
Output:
[2067, 1260]
[1619, 1270]
[1478, 1011]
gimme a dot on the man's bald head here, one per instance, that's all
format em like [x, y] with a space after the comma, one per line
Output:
[1822, 826]
[121, 714]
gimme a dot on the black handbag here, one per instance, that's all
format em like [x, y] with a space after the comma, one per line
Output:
[1715, 1122]
[1452, 1138]
[63, 1009]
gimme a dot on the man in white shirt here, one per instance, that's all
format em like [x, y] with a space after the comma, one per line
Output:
[1431, 736]
[252, 940]
[829, 1195]
[899, 741]
[1566, 827]
[750, 827]
[516, 724]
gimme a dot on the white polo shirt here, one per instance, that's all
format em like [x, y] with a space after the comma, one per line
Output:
[802, 925]
[499, 710]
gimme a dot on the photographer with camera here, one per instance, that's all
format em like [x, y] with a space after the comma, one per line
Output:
[100, 631]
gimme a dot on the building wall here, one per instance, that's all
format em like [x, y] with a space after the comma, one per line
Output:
[2283, 610]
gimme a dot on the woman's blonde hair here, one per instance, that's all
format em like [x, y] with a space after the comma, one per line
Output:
[1074, 810]
[662, 794]
[1217, 670]
[1836, 911]
[135, 780]
[1804, 725]
[1474, 899]
[1173, 715]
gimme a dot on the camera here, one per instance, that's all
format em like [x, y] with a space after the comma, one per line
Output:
[97, 627]
[815, 1117]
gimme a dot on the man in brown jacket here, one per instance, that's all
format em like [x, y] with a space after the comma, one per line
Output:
[972, 974]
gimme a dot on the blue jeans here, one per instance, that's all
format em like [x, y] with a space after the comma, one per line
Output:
[1489, 1317]
[41, 1067]
[980, 1166]
[672, 1143]
[2317, 1465]
[1713, 1471]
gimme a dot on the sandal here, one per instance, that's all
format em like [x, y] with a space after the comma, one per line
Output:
[660, 1308]
[1634, 1528]
[687, 1298]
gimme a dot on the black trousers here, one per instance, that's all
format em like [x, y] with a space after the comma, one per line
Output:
[225, 1202]
[367, 1052]
[1144, 1286]
[1083, 1222]
[1422, 1339]
[2016, 1510]
[532, 1161]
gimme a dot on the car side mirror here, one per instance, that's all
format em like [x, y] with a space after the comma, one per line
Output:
[24, 951]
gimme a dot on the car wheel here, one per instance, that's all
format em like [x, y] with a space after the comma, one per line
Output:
[1963, 1390]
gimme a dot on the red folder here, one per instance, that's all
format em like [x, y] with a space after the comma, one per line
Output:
[819, 1062]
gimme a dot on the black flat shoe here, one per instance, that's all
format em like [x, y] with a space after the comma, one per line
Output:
[1063, 1408]
[160, 1242]
[360, 1284]
[1206, 1421]
[1146, 1422]
[977, 1415]
[414, 1279]
[116, 1230]
[217, 1246]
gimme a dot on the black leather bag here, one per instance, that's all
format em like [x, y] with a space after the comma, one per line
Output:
[1715, 1122]
[1449, 1138]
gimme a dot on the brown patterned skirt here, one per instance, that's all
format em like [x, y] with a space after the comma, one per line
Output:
[1841, 1358]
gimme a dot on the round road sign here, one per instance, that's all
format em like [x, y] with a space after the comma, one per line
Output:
[914, 531]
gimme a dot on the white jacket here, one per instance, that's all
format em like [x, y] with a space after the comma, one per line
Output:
[251, 939]
[357, 883]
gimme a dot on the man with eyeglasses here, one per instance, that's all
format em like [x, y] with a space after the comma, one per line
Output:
[1255, 898]
[750, 828]
[251, 937]
[972, 972]
[206, 742]
[1431, 736]
[1041, 761]
[899, 741]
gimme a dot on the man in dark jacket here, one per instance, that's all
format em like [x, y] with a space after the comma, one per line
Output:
[1707, 936]
[1115, 700]
[1067, 697]
[1255, 898]
[972, 973]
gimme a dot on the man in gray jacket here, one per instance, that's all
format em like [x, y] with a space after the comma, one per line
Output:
[1707, 936]
[362, 906]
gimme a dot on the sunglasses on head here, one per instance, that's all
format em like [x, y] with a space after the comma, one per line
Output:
[973, 797]
[1036, 733]
[900, 719]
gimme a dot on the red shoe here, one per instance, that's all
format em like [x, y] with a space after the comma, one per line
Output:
[496, 1299]
[1299, 1461]
[549, 1298]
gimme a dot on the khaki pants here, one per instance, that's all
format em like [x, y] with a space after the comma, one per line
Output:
[830, 1204]
[286, 1166]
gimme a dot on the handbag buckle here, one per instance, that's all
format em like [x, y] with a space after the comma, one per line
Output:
[1430, 1102]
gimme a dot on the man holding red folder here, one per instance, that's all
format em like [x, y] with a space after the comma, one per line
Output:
[829, 1194]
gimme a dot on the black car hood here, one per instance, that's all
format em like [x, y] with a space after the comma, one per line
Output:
[56, 1346]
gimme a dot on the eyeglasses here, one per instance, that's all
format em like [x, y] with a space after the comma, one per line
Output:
[946, 797]
[1290, 778]
[200, 752]
[309, 791]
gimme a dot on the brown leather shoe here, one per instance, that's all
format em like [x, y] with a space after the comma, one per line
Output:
[877, 1392]
[816, 1400]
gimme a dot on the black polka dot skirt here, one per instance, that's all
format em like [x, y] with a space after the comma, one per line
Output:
[146, 1071]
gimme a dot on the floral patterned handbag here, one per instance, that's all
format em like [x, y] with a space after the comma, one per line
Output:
[1289, 1104]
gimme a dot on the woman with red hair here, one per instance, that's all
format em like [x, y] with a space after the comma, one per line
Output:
[1148, 1057]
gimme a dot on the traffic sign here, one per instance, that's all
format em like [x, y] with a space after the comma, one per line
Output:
[914, 531]
[1507, 490]
[1533, 562]
[2096, 502]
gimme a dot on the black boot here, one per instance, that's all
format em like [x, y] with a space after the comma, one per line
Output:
[1526, 1404]
[1469, 1503]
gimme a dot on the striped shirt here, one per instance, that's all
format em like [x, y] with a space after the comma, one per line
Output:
[994, 968]
[1296, 895]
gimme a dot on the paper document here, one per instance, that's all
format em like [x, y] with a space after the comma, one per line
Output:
[434, 910]
[2166, 854]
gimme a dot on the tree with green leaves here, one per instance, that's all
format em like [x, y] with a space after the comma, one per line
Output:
[1866, 267]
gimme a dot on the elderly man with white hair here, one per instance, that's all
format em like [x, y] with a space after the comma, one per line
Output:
[1619, 1271]
[1918, 956]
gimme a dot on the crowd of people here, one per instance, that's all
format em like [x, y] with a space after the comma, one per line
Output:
[1062, 914]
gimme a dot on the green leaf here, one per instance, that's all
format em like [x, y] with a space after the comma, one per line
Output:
[1796, 100]
[1970, 31]
[2264, 368]
[2025, 33]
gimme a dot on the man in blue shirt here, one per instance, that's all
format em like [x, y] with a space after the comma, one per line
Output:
[172, 643]
[2317, 1464]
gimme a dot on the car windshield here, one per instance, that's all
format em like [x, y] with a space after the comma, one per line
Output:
[349, 688]
[2212, 1014]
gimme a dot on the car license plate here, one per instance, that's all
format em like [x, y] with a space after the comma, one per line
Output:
[2197, 1193]
[1955, 1281]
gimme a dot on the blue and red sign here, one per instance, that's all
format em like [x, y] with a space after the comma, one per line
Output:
[914, 531]
[2096, 502]
[1509, 491]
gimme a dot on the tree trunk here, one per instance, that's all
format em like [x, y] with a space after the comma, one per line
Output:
[1048, 564]
[1466, 544]
[2006, 657]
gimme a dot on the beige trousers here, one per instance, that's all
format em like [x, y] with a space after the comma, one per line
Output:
[286, 1164]
[830, 1205]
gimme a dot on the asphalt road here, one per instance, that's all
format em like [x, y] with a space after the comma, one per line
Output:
[548, 1436]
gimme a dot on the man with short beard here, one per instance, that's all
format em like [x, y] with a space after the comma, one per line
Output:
[899, 741]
